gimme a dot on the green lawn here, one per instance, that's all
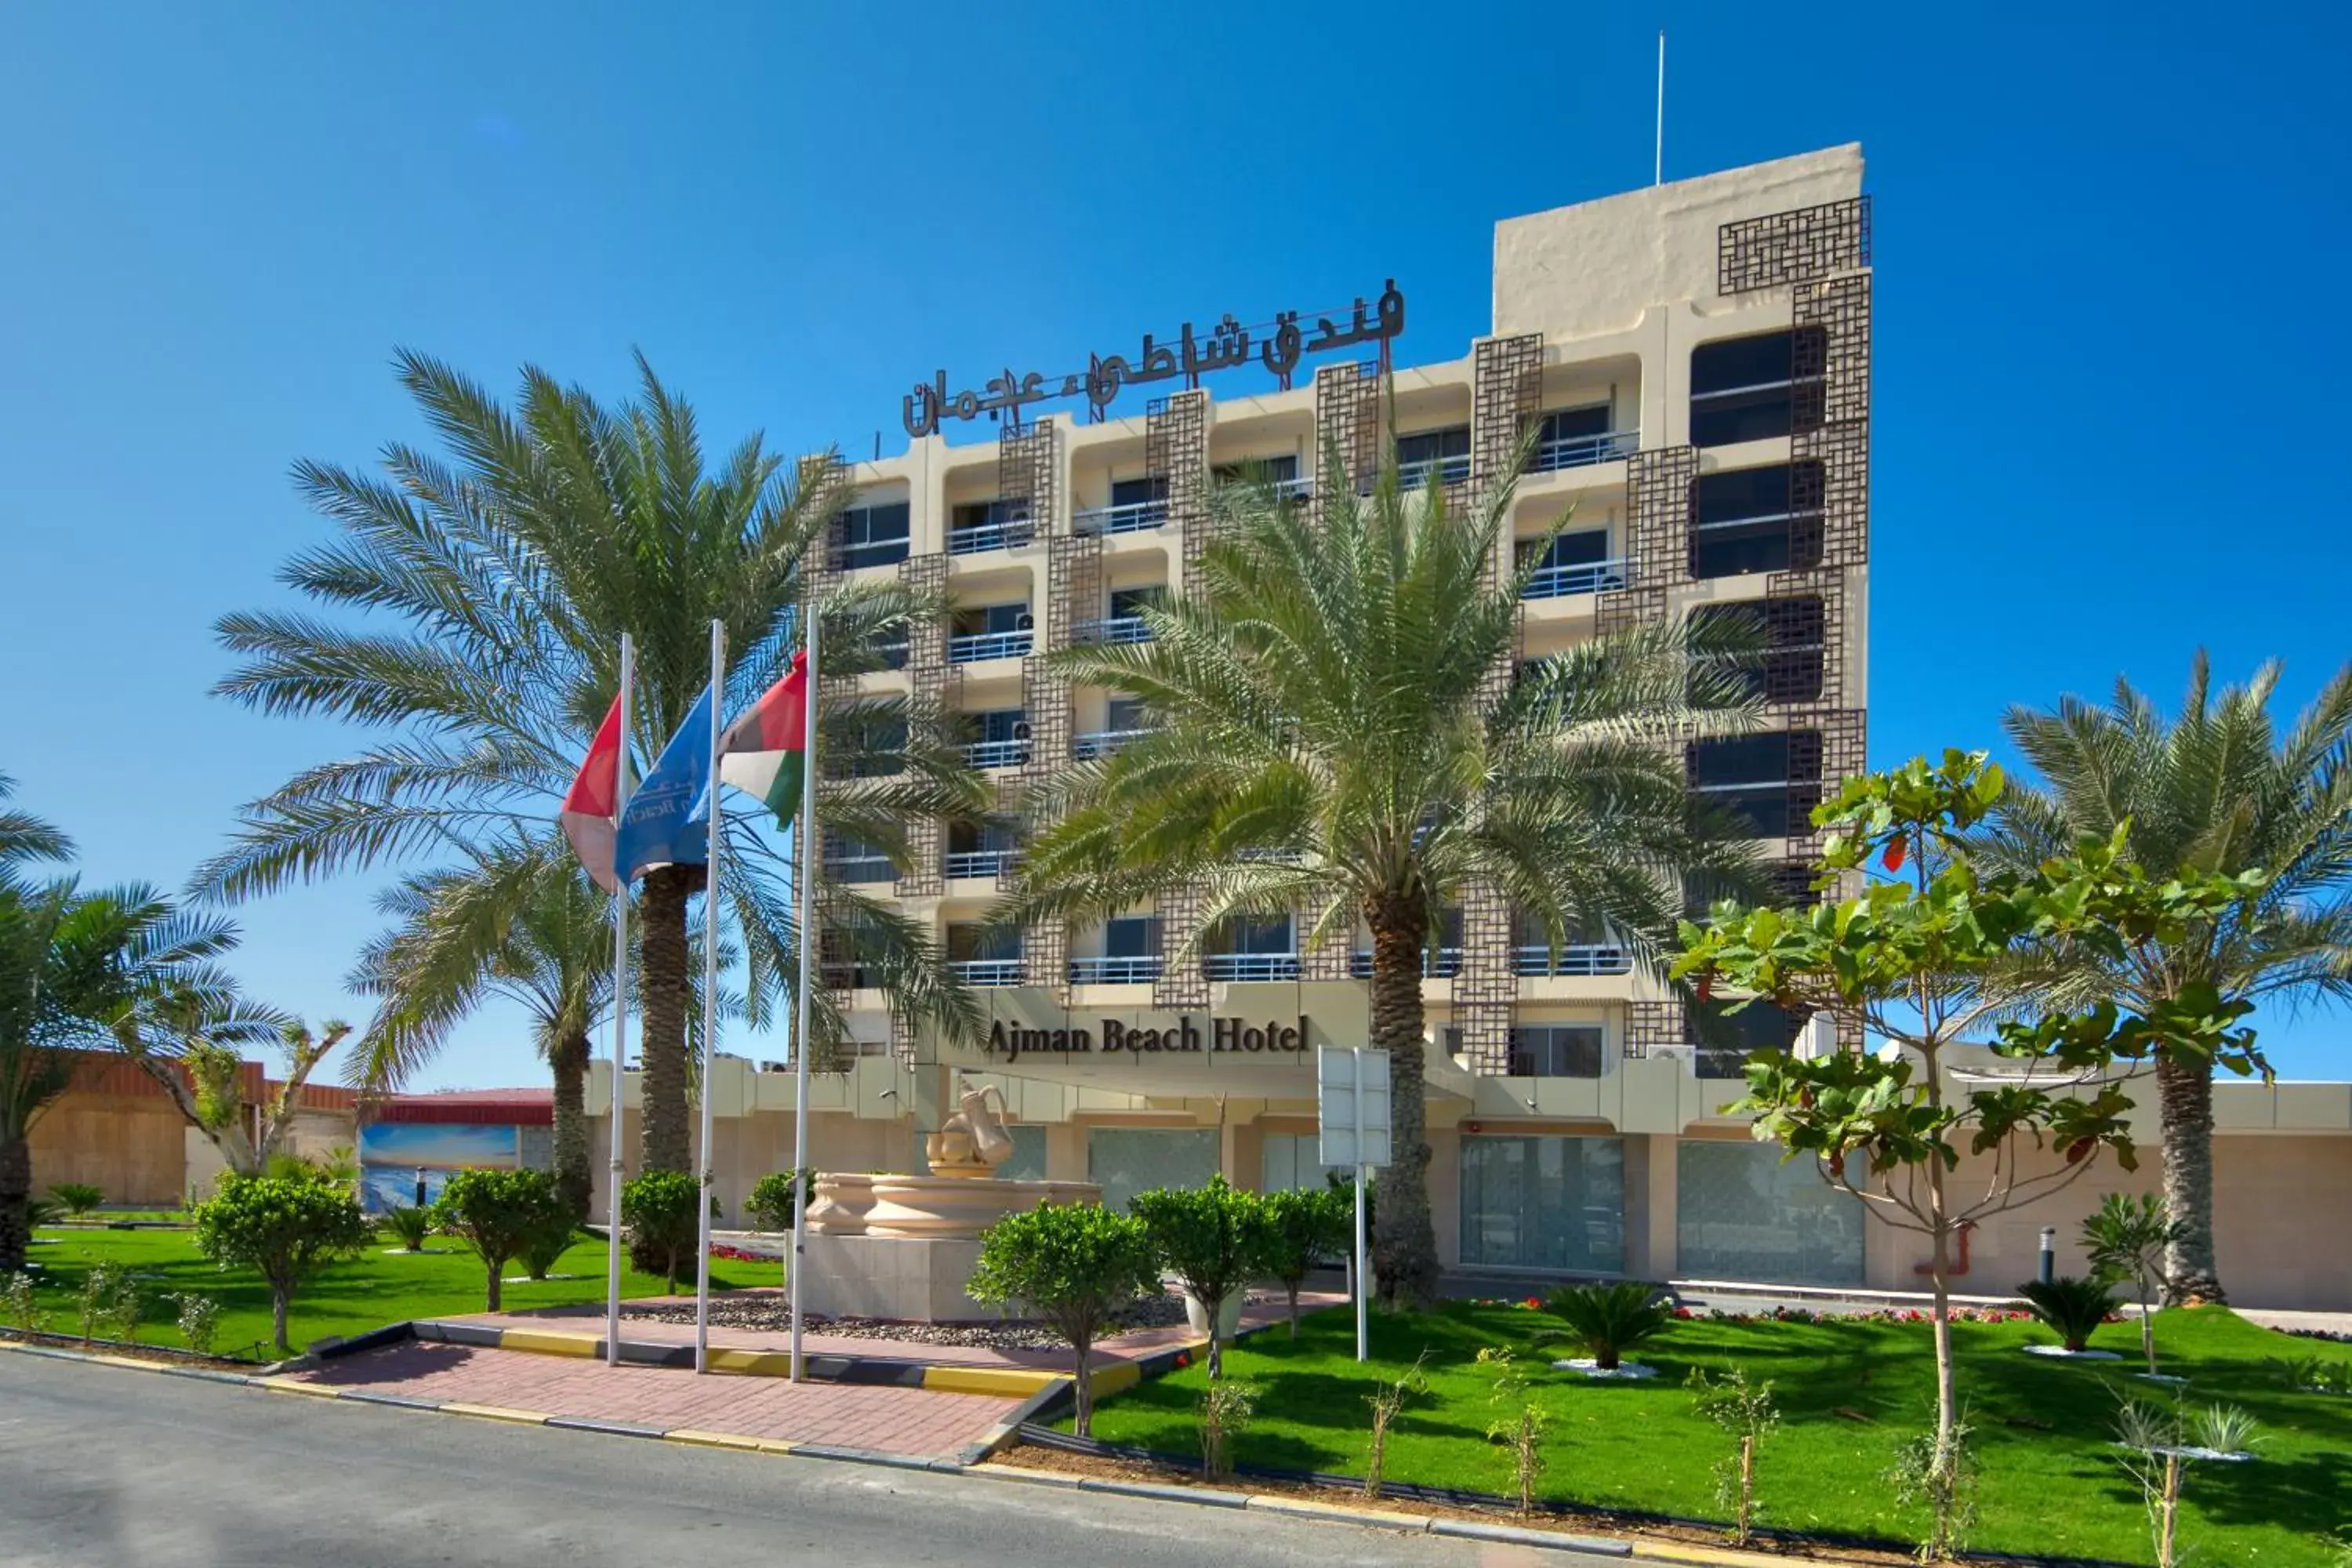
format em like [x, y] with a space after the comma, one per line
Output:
[2049, 1482]
[346, 1299]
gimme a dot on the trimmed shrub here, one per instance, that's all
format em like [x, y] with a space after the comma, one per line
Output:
[1213, 1238]
[771, 1205]
[1072, 1266]
[1302, 1229]
[498, 1214]
[664, 1228]
[1607, 1321]
[2073, 1307]
[548, 1244]
[284, 1229]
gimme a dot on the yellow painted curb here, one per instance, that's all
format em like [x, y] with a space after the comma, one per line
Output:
[1716, 1556]
[1013, 1382]
[295, 1385]
[133, 1362]
[497, 1413]
[541, 1342]
[757, 1364]
[1116, 1377]
[725, 1441]
[1348, 1513]
[777, 1445]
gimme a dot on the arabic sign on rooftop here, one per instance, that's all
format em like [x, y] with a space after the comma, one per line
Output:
[1278, 346]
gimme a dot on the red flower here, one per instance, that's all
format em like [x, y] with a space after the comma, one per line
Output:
[1895, 848]
[1532, 1301]
[1183, 1358]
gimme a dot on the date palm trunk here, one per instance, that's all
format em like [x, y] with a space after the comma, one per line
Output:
[574, 1180]
[1404, 1241]
[15, 1193]
[667, 1145]
[2185, 1103]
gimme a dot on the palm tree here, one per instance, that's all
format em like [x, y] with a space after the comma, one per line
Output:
[511, 571]
[2214, 790]
[523, 923]
[23, 836]
[1334, 740]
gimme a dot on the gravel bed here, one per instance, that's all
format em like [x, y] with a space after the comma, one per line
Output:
[1009, 1334]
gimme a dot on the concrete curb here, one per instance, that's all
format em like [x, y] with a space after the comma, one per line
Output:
[1513, 1535]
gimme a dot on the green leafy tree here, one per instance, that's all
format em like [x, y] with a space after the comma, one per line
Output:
[522, 923]
[498, 1214]
[283, 1229]
[1303, 1228]
[775, 1199]
[1213, 1238]
[1917, 955]
[2215, 791]
[658, 1207]
[492, 589]
[1072, 1265]
[1339, 741]
[188, 1041]
[2129, 1238]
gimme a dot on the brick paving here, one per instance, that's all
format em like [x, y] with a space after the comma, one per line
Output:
[890, 1420]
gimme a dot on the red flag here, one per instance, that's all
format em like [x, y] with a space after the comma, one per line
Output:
[593, 801]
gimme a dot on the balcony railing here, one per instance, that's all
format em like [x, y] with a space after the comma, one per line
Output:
[1112, 629]
[1446, 963]
[1584, 577]
[1135, 971]
[1583, 958]
[988, 970]
[1583, 451]
[1133, 517]
[1416, 475]
[1005, 533]
[1101, 742]
[860, 868]
[973, 647]
[1298, 489]
[997, 753]
[968, 863]
[1250, 965]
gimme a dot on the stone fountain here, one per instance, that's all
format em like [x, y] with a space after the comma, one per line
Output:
[901, 1247]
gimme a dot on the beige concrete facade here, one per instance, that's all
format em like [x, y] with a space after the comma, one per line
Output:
[1693, 362]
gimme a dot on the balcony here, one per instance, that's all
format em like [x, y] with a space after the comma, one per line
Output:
[1583, 577]
[971, 648]
[998, 754]
[1137, 971]
[860, 868]
[1442, 964]
[1582, 960]
[995, 532]
[1132, 517]
[1416, 475]
[987, 971]
[1101, 742]
[969, 863]
[1112, 629]
[1583, 451]
[1300, 489]
[1250, 965]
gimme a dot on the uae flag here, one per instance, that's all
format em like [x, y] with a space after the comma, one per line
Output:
[762, 752]
[589, 807]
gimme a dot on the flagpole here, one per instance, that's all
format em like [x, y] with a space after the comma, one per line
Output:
[803, 876]
[709, 1000]
[620, 1025]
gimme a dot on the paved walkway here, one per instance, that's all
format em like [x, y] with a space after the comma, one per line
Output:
[888, 1420]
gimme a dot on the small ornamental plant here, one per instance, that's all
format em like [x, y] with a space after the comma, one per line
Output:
[548, 1244]
[498, 1214]
[1606, 1320]
[408, 1227]
[1388, 1401]
[1071, 1265]
[2071, 1307]
[78, 1197]
[283, 1229]
[24, 1311]
[1518, 1423]
[1212, 1240]
[99, 1286]
[658, 1207]
[2160, 1444]
[2129, 1240]
[772, 1203]
[199, 1321]
[1304, 1227]
[1225, 1412]
[1746, 1411]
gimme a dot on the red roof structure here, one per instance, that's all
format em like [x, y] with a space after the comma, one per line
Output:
[493, 1107]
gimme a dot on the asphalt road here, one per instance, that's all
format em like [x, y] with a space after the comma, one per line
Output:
[107, 1466]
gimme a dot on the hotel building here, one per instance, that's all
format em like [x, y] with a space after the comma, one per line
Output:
[1693, 364]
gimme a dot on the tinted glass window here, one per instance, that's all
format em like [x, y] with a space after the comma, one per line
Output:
[1125, 601]
[872, 741]
[967, 943]
[1782, 662]
[1125, 713]
[873, 535]
[1582, 548]
[1749, 777]
[1563, 424]
[1135, 492]
[1268, 470]
[1728, 365]
[1264, 933]
[1557, 1050]
[1131, 936]
[1749, 519]
[996, 723]
[1424, 445]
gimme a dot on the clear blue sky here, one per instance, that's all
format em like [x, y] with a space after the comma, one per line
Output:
[2110, 358]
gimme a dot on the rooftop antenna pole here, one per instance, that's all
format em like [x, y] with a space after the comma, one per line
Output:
[1658, 167]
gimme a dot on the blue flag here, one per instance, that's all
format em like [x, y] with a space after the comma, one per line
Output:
[662, 825]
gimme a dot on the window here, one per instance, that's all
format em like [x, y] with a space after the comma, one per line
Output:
[1746, 389]
[981, 849]
[1786, 638]
[993, 620]
[1551, 1204]
[1000, 737]
[1281, 471]
[1440, 455]
[855, 860]
[873, 535]
[971, 943]
[1126, 602]
[1293, 1162]
[1122, 715]
[1585, 547]
[1756, 519]
[872, 743]
[1573, 424]
[989, 525]
[1769, 782]
[1125, 1160]
[1557, 1050]
[1138, 492]
[1725, 1038]
[1743, 1213]
[1257, 933]
[1131, 936]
